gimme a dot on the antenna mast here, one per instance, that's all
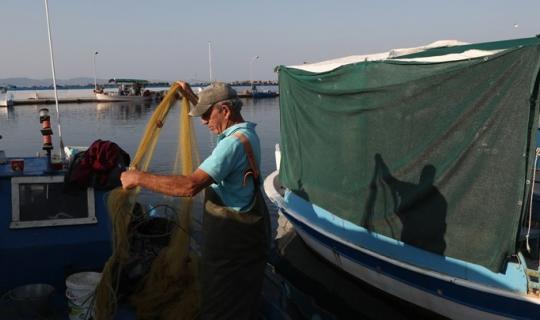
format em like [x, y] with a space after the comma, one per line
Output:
[54, 81]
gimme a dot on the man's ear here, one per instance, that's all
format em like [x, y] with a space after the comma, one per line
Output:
[227, 110]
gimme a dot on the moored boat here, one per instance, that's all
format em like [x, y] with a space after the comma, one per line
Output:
[412, 170]
[6, 99]
[49, 230]
[255, 93]
[128, 90]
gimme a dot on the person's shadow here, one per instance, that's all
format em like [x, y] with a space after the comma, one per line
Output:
[421, 208]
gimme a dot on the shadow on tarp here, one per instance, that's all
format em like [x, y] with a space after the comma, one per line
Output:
[421, 208]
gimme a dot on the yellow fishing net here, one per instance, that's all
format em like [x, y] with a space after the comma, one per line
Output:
[170, 290]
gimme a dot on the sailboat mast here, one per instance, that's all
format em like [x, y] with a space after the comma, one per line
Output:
[54, 80]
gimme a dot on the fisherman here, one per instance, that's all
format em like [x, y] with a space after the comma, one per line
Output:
[235, 221]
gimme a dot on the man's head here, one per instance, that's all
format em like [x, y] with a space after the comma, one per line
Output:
[218, 107]
[216, 92]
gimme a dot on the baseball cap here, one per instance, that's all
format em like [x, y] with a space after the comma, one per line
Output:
[216, 92]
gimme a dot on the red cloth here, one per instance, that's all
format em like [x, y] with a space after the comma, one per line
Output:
[99, 160]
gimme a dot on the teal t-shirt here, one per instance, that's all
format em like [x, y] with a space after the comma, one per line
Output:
[228, 163]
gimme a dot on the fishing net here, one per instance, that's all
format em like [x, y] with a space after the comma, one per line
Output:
[170, 289]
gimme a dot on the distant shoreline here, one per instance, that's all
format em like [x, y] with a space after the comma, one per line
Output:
[149, 85]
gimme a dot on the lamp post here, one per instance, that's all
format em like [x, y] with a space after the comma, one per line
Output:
[95, 78]
[251, 69]
[210, 60]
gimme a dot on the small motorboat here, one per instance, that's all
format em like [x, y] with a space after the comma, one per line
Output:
[128, 90]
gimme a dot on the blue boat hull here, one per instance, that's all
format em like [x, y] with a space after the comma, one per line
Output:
[452, 288]
[48, 254]
[444, 297]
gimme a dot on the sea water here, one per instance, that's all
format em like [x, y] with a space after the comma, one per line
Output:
[124, 123]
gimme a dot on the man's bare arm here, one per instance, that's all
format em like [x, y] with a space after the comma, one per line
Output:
[181, 186]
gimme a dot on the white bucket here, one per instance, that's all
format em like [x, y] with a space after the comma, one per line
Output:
[80, 293]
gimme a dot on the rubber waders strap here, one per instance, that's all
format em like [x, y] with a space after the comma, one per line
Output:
[252, 170]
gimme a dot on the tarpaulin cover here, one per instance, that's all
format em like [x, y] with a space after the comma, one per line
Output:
[436, 155]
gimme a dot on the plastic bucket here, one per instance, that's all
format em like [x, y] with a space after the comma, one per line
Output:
[80, 293]
[31, 299]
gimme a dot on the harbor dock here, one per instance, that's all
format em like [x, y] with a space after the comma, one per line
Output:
[52, 101]
[71, 100]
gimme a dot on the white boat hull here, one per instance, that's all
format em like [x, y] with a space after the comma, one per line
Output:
[6, 102]
[114, 97]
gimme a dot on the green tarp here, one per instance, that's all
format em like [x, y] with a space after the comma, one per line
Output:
[434, 154]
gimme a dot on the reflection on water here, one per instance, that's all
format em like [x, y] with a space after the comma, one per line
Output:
[4, 113]
[122, 110]
[124, 123]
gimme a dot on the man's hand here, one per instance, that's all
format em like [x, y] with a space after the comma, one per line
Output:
[182, 84]
[187, 92]
[130, 179]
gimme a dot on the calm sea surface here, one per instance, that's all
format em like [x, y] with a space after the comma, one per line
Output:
[124, 124]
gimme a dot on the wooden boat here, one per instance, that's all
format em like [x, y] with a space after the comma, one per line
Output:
[47, 234]
[412, 170]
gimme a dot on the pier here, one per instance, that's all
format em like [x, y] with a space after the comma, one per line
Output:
[52, 101]
[33, 101]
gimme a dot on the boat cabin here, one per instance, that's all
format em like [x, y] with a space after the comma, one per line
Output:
[129, 87]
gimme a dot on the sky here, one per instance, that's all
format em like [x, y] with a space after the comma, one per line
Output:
[168, 39]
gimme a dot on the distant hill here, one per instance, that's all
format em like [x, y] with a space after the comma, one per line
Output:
[27, 82]
[22, 83]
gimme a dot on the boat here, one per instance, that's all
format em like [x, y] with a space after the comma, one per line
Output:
[128, 90]
[414, 170]
[6, 100]
[47, 231]
[255, 93]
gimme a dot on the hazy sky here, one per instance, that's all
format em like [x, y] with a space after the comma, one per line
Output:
[168, 39]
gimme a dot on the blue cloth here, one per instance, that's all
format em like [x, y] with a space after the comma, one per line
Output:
[228, 163]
